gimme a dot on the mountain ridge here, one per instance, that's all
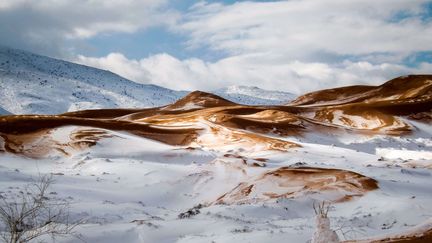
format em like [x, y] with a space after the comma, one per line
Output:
[31, 83]
[251, 95]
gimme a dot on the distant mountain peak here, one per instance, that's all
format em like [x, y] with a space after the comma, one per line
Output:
[253, 95]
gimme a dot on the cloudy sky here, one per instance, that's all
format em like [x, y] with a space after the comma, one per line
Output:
[295, 45]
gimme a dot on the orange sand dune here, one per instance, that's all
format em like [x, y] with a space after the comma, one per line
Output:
[20, 133]
[200, 117]
[39, 144]
[401, 89]
[199, 99]
[286, 182]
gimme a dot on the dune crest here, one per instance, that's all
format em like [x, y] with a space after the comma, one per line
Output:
[205, 120]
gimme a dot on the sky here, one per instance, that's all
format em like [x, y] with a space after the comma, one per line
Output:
[296, 45]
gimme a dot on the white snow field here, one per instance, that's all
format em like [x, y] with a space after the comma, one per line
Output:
[131, 189]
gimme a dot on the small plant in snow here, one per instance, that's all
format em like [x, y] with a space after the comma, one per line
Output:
[191, 212]
[29, 213]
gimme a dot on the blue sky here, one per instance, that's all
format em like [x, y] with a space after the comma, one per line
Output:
[154, 40]
[159, 39]
[294, 45]
[144, 42]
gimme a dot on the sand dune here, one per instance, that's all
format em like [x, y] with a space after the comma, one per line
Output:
[203, 119]
[401, 89]
[325, 184]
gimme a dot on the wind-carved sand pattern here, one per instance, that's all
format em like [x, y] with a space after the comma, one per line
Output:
[48, 142]
[285, 182]
[216, 153]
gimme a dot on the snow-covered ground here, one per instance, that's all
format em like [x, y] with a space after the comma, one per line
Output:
[230, 183]
[132, 189]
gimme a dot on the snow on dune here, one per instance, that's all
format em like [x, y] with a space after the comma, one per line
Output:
[131, 188]
[367, 121]
[205, 169]
[285, 182]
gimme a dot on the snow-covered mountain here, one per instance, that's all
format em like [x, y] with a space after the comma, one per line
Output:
[254, 96]
[31, 83]
[3, 112]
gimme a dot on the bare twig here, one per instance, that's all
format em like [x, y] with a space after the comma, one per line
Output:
[29, 213]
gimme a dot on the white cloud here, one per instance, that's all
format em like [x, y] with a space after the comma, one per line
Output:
[297, 45]
[257, 70]
[304, 28]
[50, 26]
[118, 63]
